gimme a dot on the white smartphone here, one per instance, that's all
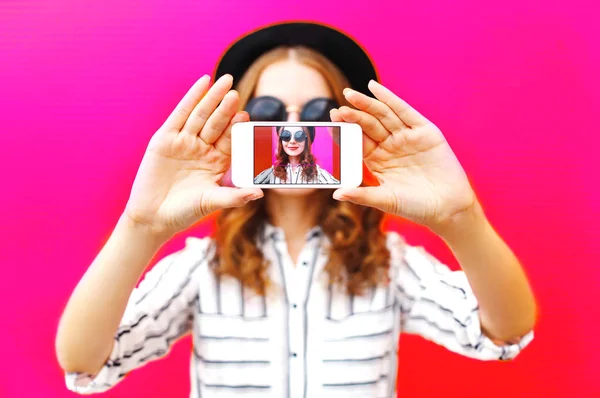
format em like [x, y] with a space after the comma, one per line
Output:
[296, 155]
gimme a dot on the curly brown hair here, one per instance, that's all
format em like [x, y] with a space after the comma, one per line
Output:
[307, 159]
[358, 255]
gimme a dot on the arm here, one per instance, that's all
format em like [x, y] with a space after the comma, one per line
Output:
[493, 271]
[141, 328]
[422, 181]
[438, 304]
[87, 327]
[109, 328]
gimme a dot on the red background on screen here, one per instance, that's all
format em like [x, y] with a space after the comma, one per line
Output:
[513, 85]
[263, 149]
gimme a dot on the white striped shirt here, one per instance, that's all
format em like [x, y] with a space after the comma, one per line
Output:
[294, 176]
[303, 339]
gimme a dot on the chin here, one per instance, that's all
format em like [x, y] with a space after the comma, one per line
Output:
[293, 192]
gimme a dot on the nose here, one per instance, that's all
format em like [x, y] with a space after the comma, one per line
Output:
[293, 116]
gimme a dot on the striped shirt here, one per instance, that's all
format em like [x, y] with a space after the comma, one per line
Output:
[304, 339]
[294, 176]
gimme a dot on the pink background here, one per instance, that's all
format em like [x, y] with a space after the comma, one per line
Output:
[513, 85]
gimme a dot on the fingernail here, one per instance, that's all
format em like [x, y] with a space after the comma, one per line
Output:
[338, 196]
[346, 91]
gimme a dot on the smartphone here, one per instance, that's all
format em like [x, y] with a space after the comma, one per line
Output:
[296, 155]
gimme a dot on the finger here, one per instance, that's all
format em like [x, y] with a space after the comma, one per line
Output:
[381, 111]
[223, 143]
[335, 116]
[220, 118]
[405, 112]
[377, 197]
[226, 179]
[369, 123]
[369, 144]
[226, 197]
[182, 111]
[207, 105]
[371, 127]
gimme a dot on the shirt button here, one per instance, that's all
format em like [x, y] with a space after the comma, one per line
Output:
[294, 306]
[305, 263]
[294, 354]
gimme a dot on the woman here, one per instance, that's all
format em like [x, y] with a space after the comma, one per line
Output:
[299, 293]
[295, 163]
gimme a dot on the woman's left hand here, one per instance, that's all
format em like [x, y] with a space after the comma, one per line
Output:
[420, 177]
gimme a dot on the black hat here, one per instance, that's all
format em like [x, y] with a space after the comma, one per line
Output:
[338, 47]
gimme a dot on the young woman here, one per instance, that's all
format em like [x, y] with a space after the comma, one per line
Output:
[299, 293]
[295, 163]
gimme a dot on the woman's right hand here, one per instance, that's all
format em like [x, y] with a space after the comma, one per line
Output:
[178, 179]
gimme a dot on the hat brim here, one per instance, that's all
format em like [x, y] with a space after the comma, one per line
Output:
[343, 51]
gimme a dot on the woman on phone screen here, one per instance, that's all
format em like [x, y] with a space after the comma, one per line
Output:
[299, 293]
[295, 163]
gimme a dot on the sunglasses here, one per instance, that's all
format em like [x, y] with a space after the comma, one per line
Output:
[271, 109]
[286, 136]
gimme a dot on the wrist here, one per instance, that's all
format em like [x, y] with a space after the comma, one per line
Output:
[137, 230]
[462, 225]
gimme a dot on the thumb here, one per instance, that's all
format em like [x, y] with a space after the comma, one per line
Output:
[377, 197]
[227, 197]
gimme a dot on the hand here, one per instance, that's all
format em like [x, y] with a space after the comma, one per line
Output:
[177, 181]
[420, 177]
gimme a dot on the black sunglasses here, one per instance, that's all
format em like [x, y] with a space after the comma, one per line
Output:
[299, 136]
[271, 109]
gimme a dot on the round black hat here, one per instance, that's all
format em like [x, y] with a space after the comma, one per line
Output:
[338, 47]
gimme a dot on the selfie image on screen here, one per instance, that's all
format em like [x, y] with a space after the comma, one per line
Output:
[296, 155]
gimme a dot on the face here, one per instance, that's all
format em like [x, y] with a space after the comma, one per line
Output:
[294, 146]
[294, 84]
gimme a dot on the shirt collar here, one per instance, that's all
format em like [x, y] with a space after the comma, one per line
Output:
[272, 232]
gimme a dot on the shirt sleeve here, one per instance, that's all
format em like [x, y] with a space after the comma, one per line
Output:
[264, 177]
[325, 178]
[439, 305]
[159, 311]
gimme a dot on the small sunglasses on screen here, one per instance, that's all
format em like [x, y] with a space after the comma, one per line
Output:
[271, 109]
[299, 136]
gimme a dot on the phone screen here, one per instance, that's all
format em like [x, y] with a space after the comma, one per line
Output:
[291, 155]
